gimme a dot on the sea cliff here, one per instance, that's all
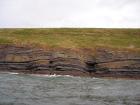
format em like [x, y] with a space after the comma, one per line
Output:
[103, 63]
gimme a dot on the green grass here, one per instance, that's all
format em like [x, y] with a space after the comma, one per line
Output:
[5, 41]
[73, 37]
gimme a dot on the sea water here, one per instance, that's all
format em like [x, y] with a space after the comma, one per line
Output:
[23, 89]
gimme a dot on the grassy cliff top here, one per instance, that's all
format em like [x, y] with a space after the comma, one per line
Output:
[73, 38]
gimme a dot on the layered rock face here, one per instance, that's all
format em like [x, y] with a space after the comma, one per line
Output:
[118, 64]
[33, 60]
[104, 63]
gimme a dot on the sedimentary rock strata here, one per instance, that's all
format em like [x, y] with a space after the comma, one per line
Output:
[105, 63]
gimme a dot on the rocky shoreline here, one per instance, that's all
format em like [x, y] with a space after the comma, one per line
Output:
[104, 63]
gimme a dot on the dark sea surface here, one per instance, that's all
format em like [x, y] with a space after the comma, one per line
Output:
[21, 89]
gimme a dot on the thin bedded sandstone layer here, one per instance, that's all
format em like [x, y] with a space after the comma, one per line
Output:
[105, 63]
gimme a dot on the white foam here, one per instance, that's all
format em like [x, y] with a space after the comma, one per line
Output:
[13, 73]
[9, 72]
[54, 75]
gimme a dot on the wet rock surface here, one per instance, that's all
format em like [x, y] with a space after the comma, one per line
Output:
[104, 63]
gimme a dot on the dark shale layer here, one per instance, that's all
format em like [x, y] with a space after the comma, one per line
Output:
[104, 63]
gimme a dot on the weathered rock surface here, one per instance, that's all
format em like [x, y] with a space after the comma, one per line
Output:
[104, 63]
[117, 64]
